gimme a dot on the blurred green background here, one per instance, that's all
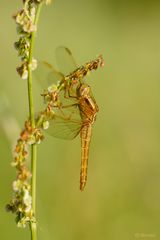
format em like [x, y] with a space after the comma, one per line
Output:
[122, 197]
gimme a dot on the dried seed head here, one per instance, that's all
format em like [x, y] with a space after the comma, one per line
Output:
[29, 27]
[33, 64]
[45, 125]
[48, 2]
[23, 71]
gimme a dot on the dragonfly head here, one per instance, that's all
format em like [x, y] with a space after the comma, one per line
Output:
[83, 90]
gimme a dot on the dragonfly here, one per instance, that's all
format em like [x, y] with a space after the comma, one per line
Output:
[77, 111]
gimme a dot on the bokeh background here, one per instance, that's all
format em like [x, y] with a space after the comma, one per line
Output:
[122, 197]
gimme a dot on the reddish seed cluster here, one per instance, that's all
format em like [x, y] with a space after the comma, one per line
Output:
[21, 203]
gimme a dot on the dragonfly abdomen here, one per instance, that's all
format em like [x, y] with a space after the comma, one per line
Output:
[85, 139]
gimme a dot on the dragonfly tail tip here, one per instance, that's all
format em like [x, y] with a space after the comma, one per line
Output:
[82, 186]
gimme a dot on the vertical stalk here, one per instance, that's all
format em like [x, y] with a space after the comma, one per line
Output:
[33, 226]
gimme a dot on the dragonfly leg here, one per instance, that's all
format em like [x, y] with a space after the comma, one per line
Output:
[68, 95]
[70, 105]
[67, 106]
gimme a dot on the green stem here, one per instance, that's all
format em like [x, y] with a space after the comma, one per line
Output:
[30, 88]
[33, 226]
[33, 189]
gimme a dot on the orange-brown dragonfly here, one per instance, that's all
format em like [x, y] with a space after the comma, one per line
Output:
[76, 110]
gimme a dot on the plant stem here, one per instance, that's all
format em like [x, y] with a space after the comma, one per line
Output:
[33, 226]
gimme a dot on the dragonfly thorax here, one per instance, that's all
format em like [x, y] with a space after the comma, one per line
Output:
[83, 90]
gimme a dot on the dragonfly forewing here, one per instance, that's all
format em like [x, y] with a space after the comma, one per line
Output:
[47, 75]
[65, 60]
[64, 127]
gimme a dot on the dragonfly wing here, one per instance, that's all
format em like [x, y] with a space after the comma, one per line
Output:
[65, 60]
[64, 128]
[54, 76]
[46, 74]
